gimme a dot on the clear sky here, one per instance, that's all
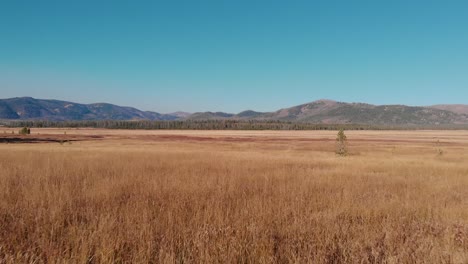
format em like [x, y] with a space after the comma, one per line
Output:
[235, 55]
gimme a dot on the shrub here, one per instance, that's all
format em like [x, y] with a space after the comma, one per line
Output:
[341, 143]
[25, 131]
[440, 152]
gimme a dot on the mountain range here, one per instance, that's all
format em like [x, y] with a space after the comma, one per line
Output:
[321, 111]
[27, 108]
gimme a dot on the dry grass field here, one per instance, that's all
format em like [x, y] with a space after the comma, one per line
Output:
[116, 196]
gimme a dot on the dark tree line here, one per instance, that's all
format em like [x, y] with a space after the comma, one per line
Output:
[209, 125]
[186, 124]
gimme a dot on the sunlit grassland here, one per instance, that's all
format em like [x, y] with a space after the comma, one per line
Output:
[137, 200]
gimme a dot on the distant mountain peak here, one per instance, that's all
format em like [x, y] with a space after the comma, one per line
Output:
[325, 101]
[180, 114]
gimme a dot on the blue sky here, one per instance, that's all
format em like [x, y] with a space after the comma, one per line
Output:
[235, 55]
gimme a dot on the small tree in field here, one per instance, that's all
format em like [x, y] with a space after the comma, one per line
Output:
[25, 131]
[341, 143]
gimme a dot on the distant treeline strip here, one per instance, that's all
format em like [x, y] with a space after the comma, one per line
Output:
[215, 125]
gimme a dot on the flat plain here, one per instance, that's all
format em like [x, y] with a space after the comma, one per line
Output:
[146, 196]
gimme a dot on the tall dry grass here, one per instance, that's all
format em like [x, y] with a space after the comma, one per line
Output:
[232, 203]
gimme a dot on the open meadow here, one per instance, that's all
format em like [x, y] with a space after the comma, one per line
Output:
[147, 196]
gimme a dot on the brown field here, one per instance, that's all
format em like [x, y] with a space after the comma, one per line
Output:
[119, 196]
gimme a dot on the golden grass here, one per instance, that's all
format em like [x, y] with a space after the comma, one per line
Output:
[278, 197]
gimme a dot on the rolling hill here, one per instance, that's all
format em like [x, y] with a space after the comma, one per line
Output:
[456, 108]
[332, 112]
[27, 108]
